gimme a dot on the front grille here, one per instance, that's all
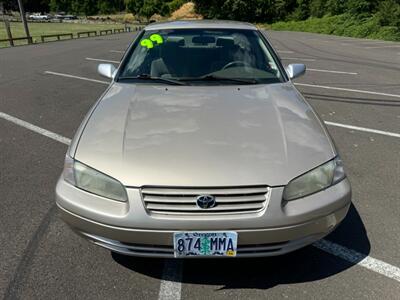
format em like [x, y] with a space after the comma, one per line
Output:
[182, 201]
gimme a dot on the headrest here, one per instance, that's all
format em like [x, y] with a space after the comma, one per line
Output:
[203, 39]
[225, 42]
[176, 40]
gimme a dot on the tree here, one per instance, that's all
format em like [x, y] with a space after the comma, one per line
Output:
[302, 10]
[210, 9]
[389, 13]
[60, 5]
[317, 8]
[110, 6]
[36, 5]
[335, 7]
[281, 9]
[360, 7]
[238, 10]
[175, 5]
[151, 7]
[134, 6]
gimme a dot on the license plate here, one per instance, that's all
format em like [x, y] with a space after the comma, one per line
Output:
[219, 243]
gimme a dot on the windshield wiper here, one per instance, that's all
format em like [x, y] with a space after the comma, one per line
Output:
[148, 77]
[211, 77]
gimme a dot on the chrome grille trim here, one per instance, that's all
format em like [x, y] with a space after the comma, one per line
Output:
[182, 201]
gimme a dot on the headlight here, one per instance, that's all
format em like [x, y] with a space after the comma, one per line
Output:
[93, 181]
[315, 180]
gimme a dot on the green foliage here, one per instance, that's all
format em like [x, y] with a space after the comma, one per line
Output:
[147, 8]
[317, 8]
[335, 7]
[151, 7]
[345, 25]
[244, 10]
[175, 5]
[134, 6]
[362, 18]
[361, 8]
[110, 6]
[389, 13]
[86, 7]
[302, 10]
[60, 5]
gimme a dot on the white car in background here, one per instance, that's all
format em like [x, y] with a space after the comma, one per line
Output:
[39, 17]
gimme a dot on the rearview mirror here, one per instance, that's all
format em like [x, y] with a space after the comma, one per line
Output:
[107, 70]
[204, 40]
[295, 70]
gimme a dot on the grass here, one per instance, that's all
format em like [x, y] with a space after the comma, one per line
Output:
[38, 29]
[342, 25]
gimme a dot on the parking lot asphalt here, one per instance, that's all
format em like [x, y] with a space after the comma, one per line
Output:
[353, 84]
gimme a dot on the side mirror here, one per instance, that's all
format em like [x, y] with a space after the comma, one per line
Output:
[295, 70]
[107, 70]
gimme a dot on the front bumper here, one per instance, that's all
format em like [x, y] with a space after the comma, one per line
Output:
[251, 243]
[128, 229]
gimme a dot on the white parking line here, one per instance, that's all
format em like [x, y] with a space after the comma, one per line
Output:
[170, 287]
[378, 47]
[171, 283]
[285, 51]
[373, 42]
[117, 51]
[388, 133]
[360, 259]
[76, 77]
[330, 71]
[346, 90]
[36, 129]
[299, 58]
[103, 60]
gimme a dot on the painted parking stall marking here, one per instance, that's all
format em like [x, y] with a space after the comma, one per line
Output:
[346, 90]
[299, 58]
[103, 60]
[360, 259]
[285, 51]
[35, 128]
[76, 77]
[171, 282]
[331, 71]
[382, 47]
[370, 130]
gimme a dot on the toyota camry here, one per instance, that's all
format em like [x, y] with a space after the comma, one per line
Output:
[201, 146]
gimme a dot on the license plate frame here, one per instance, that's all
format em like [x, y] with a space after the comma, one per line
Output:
[205, 244]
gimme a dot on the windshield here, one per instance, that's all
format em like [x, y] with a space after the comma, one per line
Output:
[201, 56]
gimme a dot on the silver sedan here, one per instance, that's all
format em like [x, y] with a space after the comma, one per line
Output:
[202, 147]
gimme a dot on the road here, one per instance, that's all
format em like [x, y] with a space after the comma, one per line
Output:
[46, 90]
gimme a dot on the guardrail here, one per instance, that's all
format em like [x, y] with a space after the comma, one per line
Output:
[79, 35]
[106, 31]
[58, 36]
[11, 41]
[88, 33]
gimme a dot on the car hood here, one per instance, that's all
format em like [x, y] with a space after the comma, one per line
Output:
[205, 136]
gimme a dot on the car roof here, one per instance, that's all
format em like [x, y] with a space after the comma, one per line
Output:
[200, 24]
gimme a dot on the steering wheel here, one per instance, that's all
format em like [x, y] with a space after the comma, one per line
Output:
[235, 63]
